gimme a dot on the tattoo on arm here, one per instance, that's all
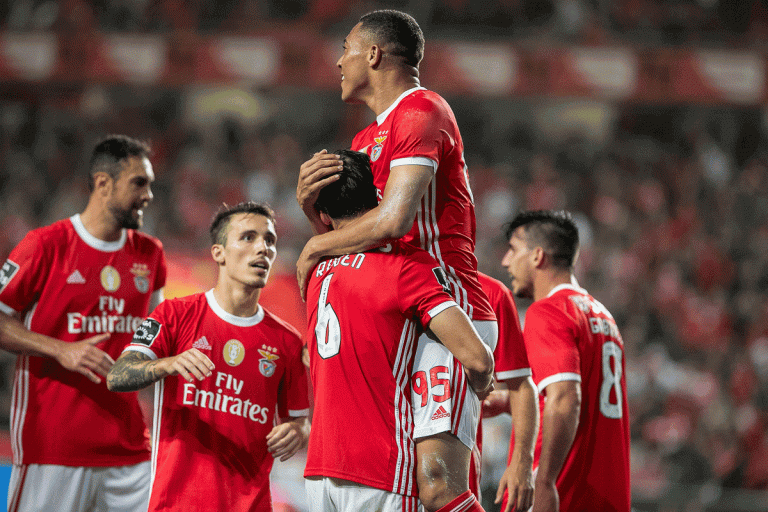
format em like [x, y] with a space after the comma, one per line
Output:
[132, 371]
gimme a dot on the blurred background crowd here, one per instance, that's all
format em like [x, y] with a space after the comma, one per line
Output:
[671, 196]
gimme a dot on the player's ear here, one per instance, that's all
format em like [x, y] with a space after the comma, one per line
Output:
[375, 54]
[217, 251]
[325, 219]
[538, 256]
[102, 182]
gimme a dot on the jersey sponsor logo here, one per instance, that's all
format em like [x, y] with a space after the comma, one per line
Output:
[267, 364]
[234, 352]
[147, 332]
[440, 413]
[110, 278]
[442, 279]
[140, 273]
[227, 398]
[7, 272]
[76, 278]
[202, 344]
[376, 151]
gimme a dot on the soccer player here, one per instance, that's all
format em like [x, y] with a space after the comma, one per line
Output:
[82, 285]
[519, 399]
[577, 357]
[225, 370]
[365, 313]
[417, 157]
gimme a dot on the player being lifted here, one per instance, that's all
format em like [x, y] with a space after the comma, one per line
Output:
[416, 154]
[82, 285]
[365, 312]
[225, 370]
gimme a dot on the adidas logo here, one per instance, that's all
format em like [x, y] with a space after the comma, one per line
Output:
[202, 344]
[76, 278]
[440, 413]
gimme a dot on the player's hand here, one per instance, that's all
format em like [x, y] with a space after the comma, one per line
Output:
[190, 364]
[546, 498]
[316, 173]
[86, 358]
[518, 480]
[286, 439]
[304, 265]
[497, 402]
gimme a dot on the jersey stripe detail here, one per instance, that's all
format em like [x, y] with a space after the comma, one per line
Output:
[19, 404]
[414, 160]
[459, 386]
[404, 483]
[460, 292]
[513, 374]
[558, 377]
[442, 307]
[157, 418]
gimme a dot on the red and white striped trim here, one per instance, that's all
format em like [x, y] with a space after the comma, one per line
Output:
[19, 405]
[15, 498]
[459, 387]
[156, 422]
[406, 458]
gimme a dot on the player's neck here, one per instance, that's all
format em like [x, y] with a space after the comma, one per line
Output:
[388, 88]
[99, 223]
[237, 299]
[548, 281]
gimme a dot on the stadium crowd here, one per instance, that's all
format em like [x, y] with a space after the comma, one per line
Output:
[672, 204]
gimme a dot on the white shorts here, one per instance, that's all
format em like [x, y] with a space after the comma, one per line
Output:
[441, 396]
[326, 494]
[74, 488]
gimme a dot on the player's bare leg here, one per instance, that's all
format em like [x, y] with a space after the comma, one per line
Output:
[443, 470]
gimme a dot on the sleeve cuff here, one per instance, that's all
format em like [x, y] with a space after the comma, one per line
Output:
[144, 350]
[558, 377]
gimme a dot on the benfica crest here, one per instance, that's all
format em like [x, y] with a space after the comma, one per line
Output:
[267, 364]
[376, 151]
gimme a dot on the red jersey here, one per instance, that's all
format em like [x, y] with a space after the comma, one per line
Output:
[510, 356]
[419, 129]
[70, 285]
[209, 437]
[365, 314]
[571, 336]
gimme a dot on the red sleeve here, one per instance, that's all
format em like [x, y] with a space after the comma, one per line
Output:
[550, 337]
[421, 291]
[510, 355]
[155, 336]
[162, 269]
[293, 399]
[421, 132]
[20, 282]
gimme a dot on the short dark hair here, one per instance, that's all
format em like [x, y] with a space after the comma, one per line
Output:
[110, 154]
[354, 192]
[554, 231]
[220, 222]
[397, 33]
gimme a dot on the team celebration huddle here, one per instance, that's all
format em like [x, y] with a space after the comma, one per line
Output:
[124, 401]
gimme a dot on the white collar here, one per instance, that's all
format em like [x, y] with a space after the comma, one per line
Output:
[383, 116]
[96, 243]
[239, 321]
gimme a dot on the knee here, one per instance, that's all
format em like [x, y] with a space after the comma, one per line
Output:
[434, 480]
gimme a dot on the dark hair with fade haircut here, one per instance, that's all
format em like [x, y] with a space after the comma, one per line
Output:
[220, 222]
[397, 32]
[554, 231]
[110, 154]
[354, 192]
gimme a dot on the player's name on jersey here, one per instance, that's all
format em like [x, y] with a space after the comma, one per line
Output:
[222, 401]
[79, 323]
[347, 260]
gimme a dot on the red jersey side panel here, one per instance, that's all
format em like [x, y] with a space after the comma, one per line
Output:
[571, 336]
[365, 312]
[209, 438]
[71, 289]
[420, 128]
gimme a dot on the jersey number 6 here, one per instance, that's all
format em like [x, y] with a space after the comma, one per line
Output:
[327, 329]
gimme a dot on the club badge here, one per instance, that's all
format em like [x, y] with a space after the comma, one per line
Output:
[140, 273]
[376, 151]
[267, 363]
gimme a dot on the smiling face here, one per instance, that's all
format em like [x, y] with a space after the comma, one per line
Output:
[520, 263]
[250, 250]
[354, 65]
[131, 193]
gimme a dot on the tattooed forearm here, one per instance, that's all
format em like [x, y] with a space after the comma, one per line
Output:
[132, 371]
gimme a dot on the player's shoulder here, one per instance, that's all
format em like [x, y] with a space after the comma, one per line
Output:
[491, 284]
[181, 305]
[61, 231]
[143, 241]
[408, 251]
[275, 322]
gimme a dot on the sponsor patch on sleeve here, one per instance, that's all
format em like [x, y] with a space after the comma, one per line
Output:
[147, 332]
[7, 272]
[442, 279]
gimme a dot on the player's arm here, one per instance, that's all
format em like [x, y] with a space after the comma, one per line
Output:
[135, 370]
[288, 438]
[559, 422]
[390, 220]
[518, 476]
[82, 356]
[454, 330]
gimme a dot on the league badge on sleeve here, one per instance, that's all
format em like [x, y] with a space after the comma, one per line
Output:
[442, 279]
[147, 332]
[7, 272]
[267, 364]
